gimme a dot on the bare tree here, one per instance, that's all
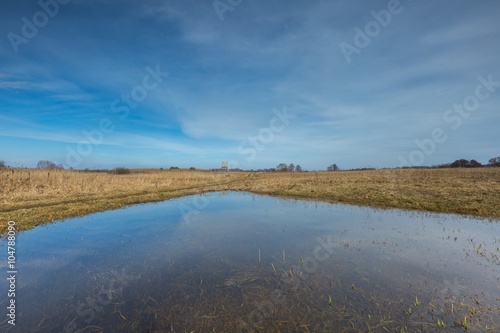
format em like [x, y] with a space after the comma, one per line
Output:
[298, 168]
[2, 164]
[48, 165]
[282, 167]
[291, 167]
[463, 163]
[495, 161]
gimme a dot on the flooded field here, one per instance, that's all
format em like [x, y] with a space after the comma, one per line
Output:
[238, 262]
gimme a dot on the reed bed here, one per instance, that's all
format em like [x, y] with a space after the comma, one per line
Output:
[32, 197]
[463, 191]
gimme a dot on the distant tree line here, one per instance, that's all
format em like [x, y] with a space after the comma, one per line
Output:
[282, 167]
[361, 169]
[463, 163]
[49, 165]
[495, 161]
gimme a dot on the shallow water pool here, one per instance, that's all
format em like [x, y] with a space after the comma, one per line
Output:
[238, 262]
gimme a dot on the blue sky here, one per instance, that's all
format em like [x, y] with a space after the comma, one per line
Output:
[255, 83]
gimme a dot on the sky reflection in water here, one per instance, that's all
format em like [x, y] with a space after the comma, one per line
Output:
[193, 264]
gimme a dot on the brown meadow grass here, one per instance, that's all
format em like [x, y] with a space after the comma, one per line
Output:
[32, 197]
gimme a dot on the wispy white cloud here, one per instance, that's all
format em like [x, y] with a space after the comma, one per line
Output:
[227, 76]
[8, 84]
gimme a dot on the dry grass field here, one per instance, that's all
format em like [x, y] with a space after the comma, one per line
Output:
[33, 197]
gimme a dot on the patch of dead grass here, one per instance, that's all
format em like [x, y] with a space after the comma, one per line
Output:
[32, 197]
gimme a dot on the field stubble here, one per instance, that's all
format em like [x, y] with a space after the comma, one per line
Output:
[32, 197]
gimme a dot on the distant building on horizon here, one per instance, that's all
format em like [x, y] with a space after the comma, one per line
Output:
[333, 167]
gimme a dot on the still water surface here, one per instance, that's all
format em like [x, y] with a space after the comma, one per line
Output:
[238, 262]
